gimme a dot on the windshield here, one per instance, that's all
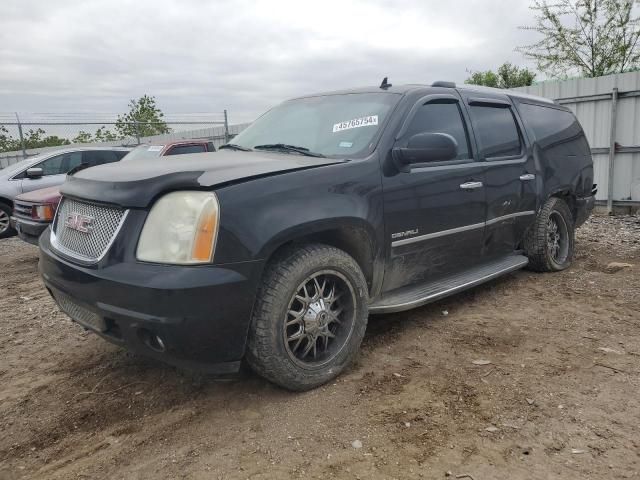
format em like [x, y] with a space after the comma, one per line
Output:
[143, 152]
[330, 125]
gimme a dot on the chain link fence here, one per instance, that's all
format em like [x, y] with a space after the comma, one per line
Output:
[25, 135]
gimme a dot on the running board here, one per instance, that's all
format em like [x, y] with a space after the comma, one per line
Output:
[406, 298]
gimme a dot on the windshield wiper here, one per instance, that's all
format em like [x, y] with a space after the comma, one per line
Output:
[283, 147]
[233, 146]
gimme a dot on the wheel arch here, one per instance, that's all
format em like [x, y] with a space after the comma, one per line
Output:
[6, 201]
[569, 197]
[352, 235]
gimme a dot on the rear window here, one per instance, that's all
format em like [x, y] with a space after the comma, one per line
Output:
[549, 125]
[496, 131]
[182, 149]
[144, 152]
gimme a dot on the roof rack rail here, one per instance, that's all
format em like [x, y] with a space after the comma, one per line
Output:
[442, 83]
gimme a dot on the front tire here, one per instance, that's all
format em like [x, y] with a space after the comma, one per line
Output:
[309, 318]
[5, 227]
[550, 241]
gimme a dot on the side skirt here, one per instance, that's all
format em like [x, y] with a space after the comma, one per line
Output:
[406, 298]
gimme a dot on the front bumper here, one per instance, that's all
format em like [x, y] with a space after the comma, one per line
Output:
[28, 230]
[584, 207]
[200, 313]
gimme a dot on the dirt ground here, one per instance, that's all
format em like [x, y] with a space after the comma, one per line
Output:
[559, 398]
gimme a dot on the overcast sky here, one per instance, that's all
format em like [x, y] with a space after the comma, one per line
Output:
[245, 56]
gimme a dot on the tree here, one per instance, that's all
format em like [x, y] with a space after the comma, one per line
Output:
[507, 76]
[6, 141]
[101, 135]
[144, 119]
[39, 139]
[589, 37]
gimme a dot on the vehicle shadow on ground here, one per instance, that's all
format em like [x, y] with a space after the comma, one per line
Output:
[126, 370]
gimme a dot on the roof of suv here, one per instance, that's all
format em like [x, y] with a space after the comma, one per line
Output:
[402, 89]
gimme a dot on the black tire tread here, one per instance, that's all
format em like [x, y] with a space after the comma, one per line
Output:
[535, 241]
[9, 232]
[261, 355]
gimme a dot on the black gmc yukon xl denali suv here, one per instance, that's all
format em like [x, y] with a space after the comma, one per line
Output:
[326, 209]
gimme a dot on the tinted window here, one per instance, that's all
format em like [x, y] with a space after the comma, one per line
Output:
[211, 147]
[182, 149]
[99, 157]
[549, 125]
[51, 166]
[441, 118]
[60, 164]
[496, 131]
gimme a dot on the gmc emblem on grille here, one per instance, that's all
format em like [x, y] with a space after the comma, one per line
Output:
[81, 223]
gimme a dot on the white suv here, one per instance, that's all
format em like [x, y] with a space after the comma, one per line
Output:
[46, 170]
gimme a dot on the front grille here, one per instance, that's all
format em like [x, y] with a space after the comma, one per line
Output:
[95, 229]
[79, 314]
[22, 210]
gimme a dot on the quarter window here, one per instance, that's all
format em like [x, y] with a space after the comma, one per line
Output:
[446, 118]
[550, 125]
[496, 131]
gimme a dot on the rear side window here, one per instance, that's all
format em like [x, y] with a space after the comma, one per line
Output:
[549, 125]
[441, 118]
[99, 157]
[496, 131]
[182, 149]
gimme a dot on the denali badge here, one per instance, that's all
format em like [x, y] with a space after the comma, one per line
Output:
[408, 233]
[81, 223]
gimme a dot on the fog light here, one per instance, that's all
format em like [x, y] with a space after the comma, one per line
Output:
[151, 340]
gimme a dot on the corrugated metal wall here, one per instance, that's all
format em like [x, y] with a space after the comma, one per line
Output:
[591, 100]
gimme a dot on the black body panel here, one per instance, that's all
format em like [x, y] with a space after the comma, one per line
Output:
[202, 314]
[138, 184]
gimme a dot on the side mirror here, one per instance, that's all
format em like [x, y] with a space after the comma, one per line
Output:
[34, 172]
[426, 147]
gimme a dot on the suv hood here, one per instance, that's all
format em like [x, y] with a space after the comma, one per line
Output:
[137, 184]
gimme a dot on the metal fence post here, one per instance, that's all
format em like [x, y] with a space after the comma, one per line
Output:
[24, 149]
[137, 130]
[226, 127]
[612, 149]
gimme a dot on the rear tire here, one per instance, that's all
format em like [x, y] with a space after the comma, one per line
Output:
[5, 227]
[309, 318]
[550, 241]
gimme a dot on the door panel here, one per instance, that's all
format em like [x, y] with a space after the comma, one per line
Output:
[31, 184]
[434, 227]
[509, 171]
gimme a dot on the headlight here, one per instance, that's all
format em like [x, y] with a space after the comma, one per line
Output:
[181, 228]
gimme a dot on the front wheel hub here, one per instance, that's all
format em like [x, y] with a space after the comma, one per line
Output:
[320, 318]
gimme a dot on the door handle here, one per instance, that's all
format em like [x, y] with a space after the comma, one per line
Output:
[471, 185]
[527, 176]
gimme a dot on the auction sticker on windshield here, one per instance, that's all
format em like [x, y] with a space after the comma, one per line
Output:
[355, 123]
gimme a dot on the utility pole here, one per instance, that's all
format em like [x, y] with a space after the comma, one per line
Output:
[227, 137]
[24, 149]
